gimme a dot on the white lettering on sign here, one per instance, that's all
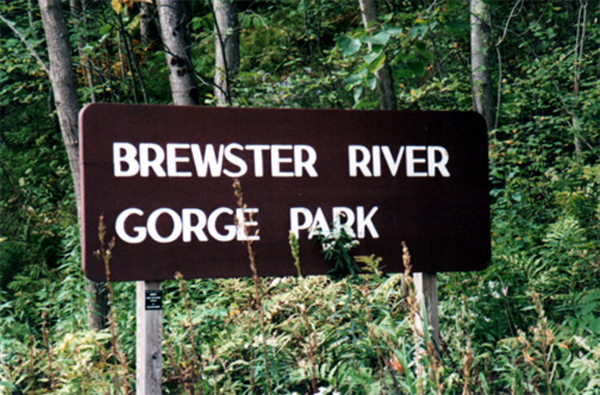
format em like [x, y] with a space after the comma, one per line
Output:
[124, 154]
[173, 160]
[190, 224]
[146, 159]
[151, 157]
[419, 160]
[301, 218]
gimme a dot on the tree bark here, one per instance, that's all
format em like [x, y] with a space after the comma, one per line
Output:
[148, 31]
[78, 12]
[97, 305]
[173, 17]
[67, 107]
[481, 79]
[385, 82]
[227, 49]
[63, 84]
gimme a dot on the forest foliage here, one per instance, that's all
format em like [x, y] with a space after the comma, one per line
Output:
[528, 324]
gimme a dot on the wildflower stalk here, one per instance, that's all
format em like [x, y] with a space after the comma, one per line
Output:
[48, 349]
[412, 303]
[372, 332]
[31, 364]
[239, 194]
[546, 339]
[193, 357]
[468, 357]
[251, 362]
[312, 346]
[312, 333]
[105, 255]
[295, 248]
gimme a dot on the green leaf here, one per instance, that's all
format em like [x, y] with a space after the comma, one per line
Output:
[364, 104]
[421, 49]
[372, 82]
[354, 79]
[246, 22]
[417, 67]
[8, 385]
[377, 63]
[380, 38]
[348, 45]
[358, 94]
[371, 56]
[256, 23]
[395, 31]
[405, 73]
[417, 31]
[458, 25]
[105, 29]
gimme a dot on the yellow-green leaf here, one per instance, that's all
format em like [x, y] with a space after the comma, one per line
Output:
[116, 5]
[377, 63]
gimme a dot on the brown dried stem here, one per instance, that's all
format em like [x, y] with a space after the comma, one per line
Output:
[105, 255]
[239, 194]
[47, 347]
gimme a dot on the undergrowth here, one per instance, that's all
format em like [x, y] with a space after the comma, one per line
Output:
[349, 335]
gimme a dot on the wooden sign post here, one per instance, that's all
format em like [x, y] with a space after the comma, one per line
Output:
[426, 290]
[149, 338]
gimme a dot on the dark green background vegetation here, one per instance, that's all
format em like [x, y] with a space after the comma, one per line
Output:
[528, 324]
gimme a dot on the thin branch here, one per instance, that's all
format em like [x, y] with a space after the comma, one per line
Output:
[130, 54]
[499, 92]
[572, 122]
[506, 29]
[580, 40]
[510, 16]
[24, 40]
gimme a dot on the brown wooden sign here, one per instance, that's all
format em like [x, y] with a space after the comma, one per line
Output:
[162, 178]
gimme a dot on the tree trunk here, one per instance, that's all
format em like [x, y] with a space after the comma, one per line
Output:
[63, 84]
[173, 22]
[67, 107]
[148, 31]
[97, 304]
[78, 14]
[385, 83]
[481, 79]
[227, 48]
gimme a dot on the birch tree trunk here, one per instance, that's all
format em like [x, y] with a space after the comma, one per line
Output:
[481, 79]
[63, 84]
[227, 49]
[173, 17]
[385, 83]
[67, 107]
